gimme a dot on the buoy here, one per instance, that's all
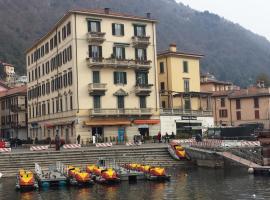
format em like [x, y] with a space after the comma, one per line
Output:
[1, 175]
[250, 170]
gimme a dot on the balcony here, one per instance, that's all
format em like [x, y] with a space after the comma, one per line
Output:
[116, 63]
[96, 37]
[196, 113]
[140, 41]
[21, 124]
[143, 90]
[118, 112]
[17, 108]
[97, 88]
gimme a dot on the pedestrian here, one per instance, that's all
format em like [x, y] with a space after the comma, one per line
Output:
[159, 137]
[166, 138]
[79, 139]
[172, 135]
[57, 142]
[94, 138]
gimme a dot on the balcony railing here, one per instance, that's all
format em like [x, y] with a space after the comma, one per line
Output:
[17, 108]
[123, 111]
[22, 124]
[94, 88]
[112, 62]
[142, 41]
[96, 37]
[197, 113]
[143, 89]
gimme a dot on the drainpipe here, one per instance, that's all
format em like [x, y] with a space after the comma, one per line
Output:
[231, 112]
[155, 63]
[76, 47]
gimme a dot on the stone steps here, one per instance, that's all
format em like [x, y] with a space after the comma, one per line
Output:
[159, 156]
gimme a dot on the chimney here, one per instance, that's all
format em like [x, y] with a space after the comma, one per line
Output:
[107, 10]
[172, 47]
[148, 15]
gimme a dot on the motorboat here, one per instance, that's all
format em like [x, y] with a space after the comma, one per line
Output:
[26, 180]
[177, 151]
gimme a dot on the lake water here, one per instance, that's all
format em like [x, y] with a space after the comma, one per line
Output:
[185, 184]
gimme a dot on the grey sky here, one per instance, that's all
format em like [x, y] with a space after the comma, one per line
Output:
[251, 14]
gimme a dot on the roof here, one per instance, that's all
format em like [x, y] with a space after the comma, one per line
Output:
[216, 82]
[93, 12]
[222, 93]
[180, 53]
[5, 64]
[13, 91]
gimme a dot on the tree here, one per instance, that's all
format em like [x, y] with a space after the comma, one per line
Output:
[263, 77]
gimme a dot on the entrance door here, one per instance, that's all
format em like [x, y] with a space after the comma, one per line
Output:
[67, 135]
[121, 134]
[98, 132]
[144, 132]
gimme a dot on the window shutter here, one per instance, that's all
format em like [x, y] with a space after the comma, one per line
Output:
[90, 51]
[98, 27]
[113, 28]
[115, 77]
[135, 30]
[122, 29]
[114, 52]
[100, 51]
[89, 28]
[125, 78]
[145, 54]
[123, 53]
[136, 54]
[146, 78]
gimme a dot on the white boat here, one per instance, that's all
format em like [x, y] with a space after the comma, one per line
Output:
[1, 175]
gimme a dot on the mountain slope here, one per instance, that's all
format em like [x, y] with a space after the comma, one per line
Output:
[231, 52]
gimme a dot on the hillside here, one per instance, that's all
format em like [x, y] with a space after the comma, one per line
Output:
[232, 52]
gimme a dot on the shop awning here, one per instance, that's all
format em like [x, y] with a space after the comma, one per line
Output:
[107, 122]
[146, 121]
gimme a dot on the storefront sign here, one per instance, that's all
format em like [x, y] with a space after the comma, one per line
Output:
[189, 118]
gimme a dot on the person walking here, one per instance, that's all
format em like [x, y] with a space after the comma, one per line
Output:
[79, 139]
[159, 137]
[166, 138]
[172, 135]
[57, 142]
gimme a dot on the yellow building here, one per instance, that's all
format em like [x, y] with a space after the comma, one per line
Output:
[94, 73]
[183, 104]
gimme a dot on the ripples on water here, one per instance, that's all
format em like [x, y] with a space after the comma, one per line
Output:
[185, 184]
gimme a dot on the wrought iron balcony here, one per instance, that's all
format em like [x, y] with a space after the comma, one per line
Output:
[143, 89]
[96, 37]
[140, 41]
[97, 88]
[17, 108]
[121, 111]
[113, 62]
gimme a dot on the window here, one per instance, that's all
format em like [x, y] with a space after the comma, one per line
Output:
[185, 67]
[95, 52]
[70, 78]
[162, 86]
[118, 29]
[119, 52]
[46, 48]
[141, 78]
[120, 77]
[238, 115]
[96, 78]
[96, 101]
[223, 113]
[65, 80]
[68, 28]
[142, 101]
[93, 26]
[161, 67]
[51, 44]
[163, 104]
[186, 85]
[140, 54]
[48, 107]
[256, 102]
[187, 103]
[70, 103]
[257, 114]
[222, 102]
[64, 33]
[120, 102]
[139, 30]
[59, 37]
[238, 104]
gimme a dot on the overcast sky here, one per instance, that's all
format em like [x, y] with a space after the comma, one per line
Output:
[251, 14]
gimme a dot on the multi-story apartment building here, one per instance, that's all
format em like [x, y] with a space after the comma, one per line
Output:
[13, 113]
[245, 106]
[185, 109]
[94, 73]
[7, 73]
[3, 86]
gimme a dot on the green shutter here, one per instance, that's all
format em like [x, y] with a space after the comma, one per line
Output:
[123, 52]
[89, 50]
[100, 51]
[113, 28]
[115, 77]
[145, 54]
[125, 77]
[122, 29]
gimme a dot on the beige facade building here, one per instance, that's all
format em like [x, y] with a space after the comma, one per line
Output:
[7, 73]
[185, 109]
[13, 113]
[210, 84]
[94, 73]
[245, 106]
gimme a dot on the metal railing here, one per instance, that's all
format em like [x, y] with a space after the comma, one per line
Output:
[143, 88]
[58, 115]
[121, 111]
[140, 40]
[173, 111]
[113, 62]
